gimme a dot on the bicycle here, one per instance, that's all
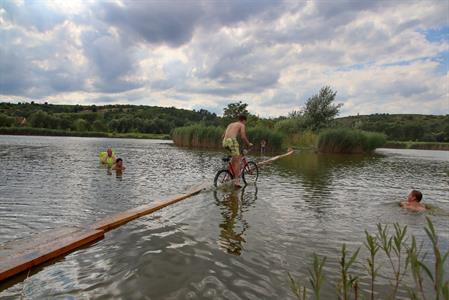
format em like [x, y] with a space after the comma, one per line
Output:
[248, 170]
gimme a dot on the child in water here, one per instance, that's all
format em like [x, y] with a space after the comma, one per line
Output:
[118, 166]
[414, 201]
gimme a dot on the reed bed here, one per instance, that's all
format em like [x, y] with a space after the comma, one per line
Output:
[303, 140]
[344, 140]
[210, 137]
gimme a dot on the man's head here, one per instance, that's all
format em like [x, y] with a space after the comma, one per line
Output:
[414, 196]
[119, 162]
[242, 118]
[109, 151]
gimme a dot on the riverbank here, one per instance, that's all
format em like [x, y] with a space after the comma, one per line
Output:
[417, 145]
[57, 132]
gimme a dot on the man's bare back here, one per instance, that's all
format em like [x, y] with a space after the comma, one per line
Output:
[234, 129]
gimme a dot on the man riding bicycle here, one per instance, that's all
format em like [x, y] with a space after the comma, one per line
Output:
[231, 144]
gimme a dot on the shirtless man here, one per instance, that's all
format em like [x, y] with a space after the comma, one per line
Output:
[414, 201]
[231, 144]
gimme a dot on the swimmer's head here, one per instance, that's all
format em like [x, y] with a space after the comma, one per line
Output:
[109, 151]
[119, 161]
[415, 195]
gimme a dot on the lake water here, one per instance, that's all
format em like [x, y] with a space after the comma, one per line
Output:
[220, 244]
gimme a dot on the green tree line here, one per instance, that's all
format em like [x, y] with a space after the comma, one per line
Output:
[108, 118]
[402, 127]
[319, 113]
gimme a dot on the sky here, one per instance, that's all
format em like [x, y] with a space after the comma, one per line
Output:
[380, 56]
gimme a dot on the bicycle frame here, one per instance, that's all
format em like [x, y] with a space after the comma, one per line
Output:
[242, 165]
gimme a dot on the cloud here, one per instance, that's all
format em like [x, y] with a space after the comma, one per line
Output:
[174, 22]
[34, 15]
[380, 56]
[171, 22]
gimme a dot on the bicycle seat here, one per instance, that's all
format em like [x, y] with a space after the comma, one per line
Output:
[226, 159]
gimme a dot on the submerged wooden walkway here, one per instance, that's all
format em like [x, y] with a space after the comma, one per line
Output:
[20, 255]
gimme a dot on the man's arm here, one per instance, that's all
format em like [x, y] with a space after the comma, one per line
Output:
[243, 135]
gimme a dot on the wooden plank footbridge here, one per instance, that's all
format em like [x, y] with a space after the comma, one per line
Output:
[21, 255]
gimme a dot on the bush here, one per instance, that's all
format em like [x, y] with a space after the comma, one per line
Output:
[6, 121]
[344, 140]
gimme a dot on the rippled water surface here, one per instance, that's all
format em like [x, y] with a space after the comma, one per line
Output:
[220, 244]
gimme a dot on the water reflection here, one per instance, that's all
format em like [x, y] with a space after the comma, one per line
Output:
[317, 174]
[233, 203]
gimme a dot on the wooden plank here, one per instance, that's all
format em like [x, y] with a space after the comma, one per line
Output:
[40, 250]
[14, 247]
[275, 158]
[121, 218]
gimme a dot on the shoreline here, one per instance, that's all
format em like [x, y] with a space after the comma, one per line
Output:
[30, 131]
[417, 145]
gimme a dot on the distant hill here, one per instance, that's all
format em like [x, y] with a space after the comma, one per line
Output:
[107, 118]
[402, 127]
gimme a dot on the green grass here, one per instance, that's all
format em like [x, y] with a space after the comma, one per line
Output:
[57, 132]
[344, 140]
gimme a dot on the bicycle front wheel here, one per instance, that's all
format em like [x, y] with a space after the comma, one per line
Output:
[222, 177]
[250, 172]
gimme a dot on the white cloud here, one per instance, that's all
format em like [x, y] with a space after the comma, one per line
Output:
[272, 55]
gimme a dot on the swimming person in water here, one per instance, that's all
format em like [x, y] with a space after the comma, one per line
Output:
[108, 158]
[414, 201]
[231, 144]
[118, 166]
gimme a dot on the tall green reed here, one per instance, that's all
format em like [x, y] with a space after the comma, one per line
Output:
[404, 257]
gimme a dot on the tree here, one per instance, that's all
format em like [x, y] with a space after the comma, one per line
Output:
[233, 110]
[99, 126]
[39, 119]
[320, 110]
[6, 121]
[81, 125]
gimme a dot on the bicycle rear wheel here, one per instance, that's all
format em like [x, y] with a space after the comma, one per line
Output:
[250, 172]
[222, 177]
